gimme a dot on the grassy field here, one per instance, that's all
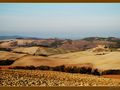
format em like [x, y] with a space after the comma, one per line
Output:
[52, 78]
[110, 60]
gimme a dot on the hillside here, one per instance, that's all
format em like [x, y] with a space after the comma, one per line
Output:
[93, 56]
[10, 56]
[96, 52]
[110, 60]
[40, 51]
[67, 44]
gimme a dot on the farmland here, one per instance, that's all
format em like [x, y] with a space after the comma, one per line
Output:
[55, 62]
[52, 78]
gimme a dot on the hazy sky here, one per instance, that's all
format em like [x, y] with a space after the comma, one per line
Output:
[62, 20]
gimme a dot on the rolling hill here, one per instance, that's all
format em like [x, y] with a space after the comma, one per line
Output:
[110, 60]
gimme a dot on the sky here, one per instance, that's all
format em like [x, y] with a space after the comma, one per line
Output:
[60, 20]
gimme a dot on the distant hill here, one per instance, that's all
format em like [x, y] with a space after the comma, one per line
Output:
[67, 44]
[101, 38]
[9, 37]
[17, 37]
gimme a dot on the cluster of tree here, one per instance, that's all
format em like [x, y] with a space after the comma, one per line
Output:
[82, 70]
[31, 67]
[62, 68]
[107, 72]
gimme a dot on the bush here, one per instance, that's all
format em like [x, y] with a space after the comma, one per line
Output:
[83, 70]
[89, 70]
[59, 68]
[24, 67]
[30, 67]
[75, 70]
[17, 67]
[62, 68]
[96, 72]
[107, 72]
[71, 69]
[68, 69]
[43, 68]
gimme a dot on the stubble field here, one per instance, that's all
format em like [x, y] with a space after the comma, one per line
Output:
[52, 78]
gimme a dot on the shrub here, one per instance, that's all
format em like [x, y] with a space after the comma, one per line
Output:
[59, 68]
[69, 69]
[107, 72]
[23, 67]
[43, 68]
[30, 67]
[83, 70]
[89, 70]
[75, 70]
[96, 72]
[62, 68]
[18, 67]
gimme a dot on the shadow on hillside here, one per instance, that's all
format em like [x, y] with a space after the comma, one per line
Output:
[6, 62]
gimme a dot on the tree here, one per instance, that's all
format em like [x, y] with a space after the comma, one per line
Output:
[96, 72]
